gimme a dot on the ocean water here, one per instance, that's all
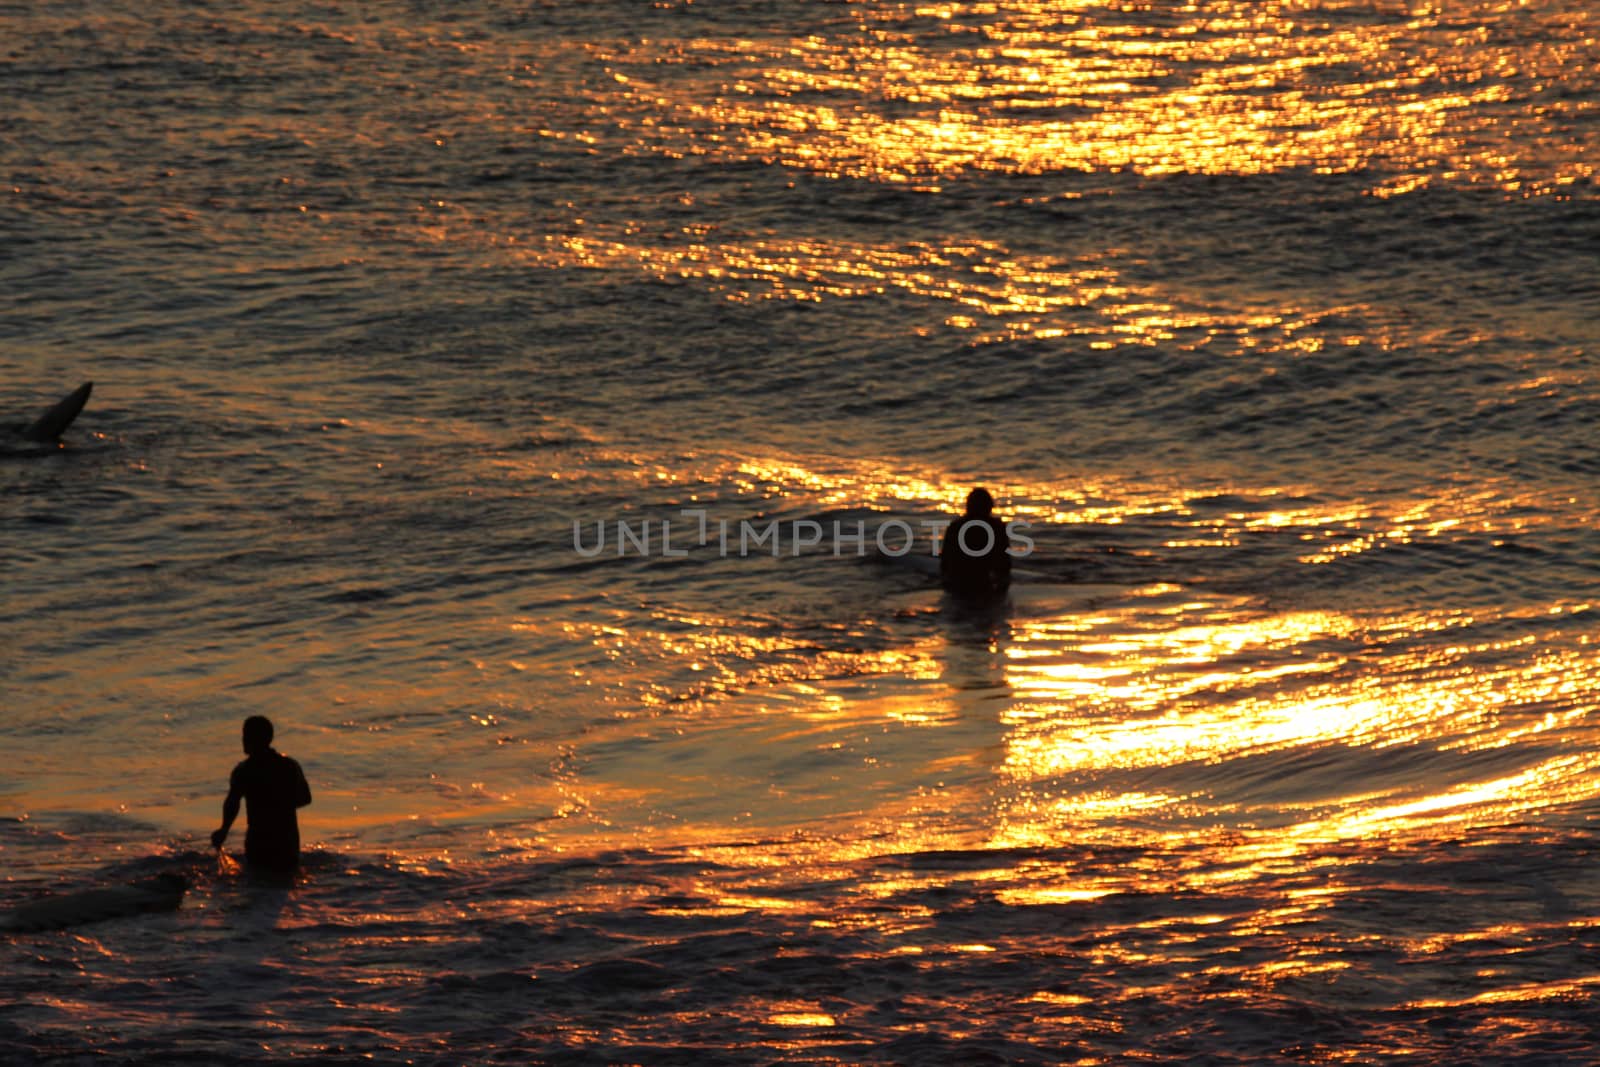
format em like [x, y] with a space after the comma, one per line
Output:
[1277, 324]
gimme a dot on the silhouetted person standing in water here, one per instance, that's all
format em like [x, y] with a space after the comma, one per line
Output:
[973, 562]
[272, 786]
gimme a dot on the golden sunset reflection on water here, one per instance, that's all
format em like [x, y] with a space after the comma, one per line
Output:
[1285, 691]
[1217, 88]
[1273, 321]
[1246, 734]
[1243, 732]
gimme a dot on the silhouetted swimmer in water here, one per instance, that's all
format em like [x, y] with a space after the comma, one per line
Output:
[272, 786]
[973, 562]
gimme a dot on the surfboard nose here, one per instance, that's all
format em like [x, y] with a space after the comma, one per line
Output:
[59, 417]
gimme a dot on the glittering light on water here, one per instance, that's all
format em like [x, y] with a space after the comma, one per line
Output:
[1216, 88]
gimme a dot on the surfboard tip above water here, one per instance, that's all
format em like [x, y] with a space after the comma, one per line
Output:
[54, 422]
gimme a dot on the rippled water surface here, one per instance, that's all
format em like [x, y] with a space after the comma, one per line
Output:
[1276, 324]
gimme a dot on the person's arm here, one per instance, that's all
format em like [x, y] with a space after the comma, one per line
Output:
[1002, 553]
[303, 790]
[230, 812]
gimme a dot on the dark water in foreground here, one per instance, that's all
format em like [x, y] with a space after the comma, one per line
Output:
[1277, 324]
[765, 951]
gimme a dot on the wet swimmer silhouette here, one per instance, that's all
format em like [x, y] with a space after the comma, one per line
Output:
[272, 786]
[973, 561]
